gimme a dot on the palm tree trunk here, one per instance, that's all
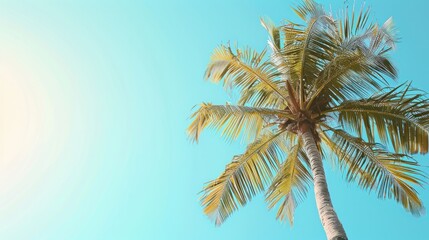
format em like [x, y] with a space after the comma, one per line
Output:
[333, 228]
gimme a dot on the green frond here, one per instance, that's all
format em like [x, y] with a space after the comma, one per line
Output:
[243, 69]
[259, 96]
[399, 115]
[360, 64]
[232, 121]
[291, 183]
[307, 49]
[391, 175]
[245, 176]
[351, 75]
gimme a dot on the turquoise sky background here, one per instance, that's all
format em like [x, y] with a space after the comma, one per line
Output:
[95, 97]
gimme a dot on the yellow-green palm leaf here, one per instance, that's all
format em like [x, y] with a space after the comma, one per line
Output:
[232, 120]
[391, 175]
[400, 115]
[245, 176]
[243, 69]
[291, 183]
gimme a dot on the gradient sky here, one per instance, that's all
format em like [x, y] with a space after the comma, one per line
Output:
[95, 97]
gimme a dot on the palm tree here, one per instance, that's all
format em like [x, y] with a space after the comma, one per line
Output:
[322, 93]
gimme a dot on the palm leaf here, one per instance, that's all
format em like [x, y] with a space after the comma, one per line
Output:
[278, 58]
[306, 49]
[259, 96]
[245, 176]
[244, 69]
[360, 65]
[232, 121]
[351, 75]
[399, 114]
[290, 184]
[315, 45]
[391, 175]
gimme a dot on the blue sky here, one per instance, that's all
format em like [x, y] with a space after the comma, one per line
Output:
[95, 100]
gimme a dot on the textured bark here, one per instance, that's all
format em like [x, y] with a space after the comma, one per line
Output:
[333, 228]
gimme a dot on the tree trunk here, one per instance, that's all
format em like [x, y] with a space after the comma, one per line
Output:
[333, 228]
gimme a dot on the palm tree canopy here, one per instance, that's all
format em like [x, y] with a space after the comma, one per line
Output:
[332, 75]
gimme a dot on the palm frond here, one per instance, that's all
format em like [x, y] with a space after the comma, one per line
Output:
[351, 75]
[243, 69]
[232, 121]
[307, 49]
[259, 96]
[276, 43]
[398, 114]
[391, 175]
[360, 65]
[290, 184]
[317, 43]
[245, 176]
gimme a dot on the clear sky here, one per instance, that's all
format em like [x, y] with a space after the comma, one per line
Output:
[95, 97]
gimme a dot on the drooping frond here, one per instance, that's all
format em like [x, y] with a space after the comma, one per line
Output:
[232, 121]
[245, 176]
[291, 183]
[244, 69]
[391, 175]
[399, 114]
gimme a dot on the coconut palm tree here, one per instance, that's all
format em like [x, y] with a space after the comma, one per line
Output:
[321, 93]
